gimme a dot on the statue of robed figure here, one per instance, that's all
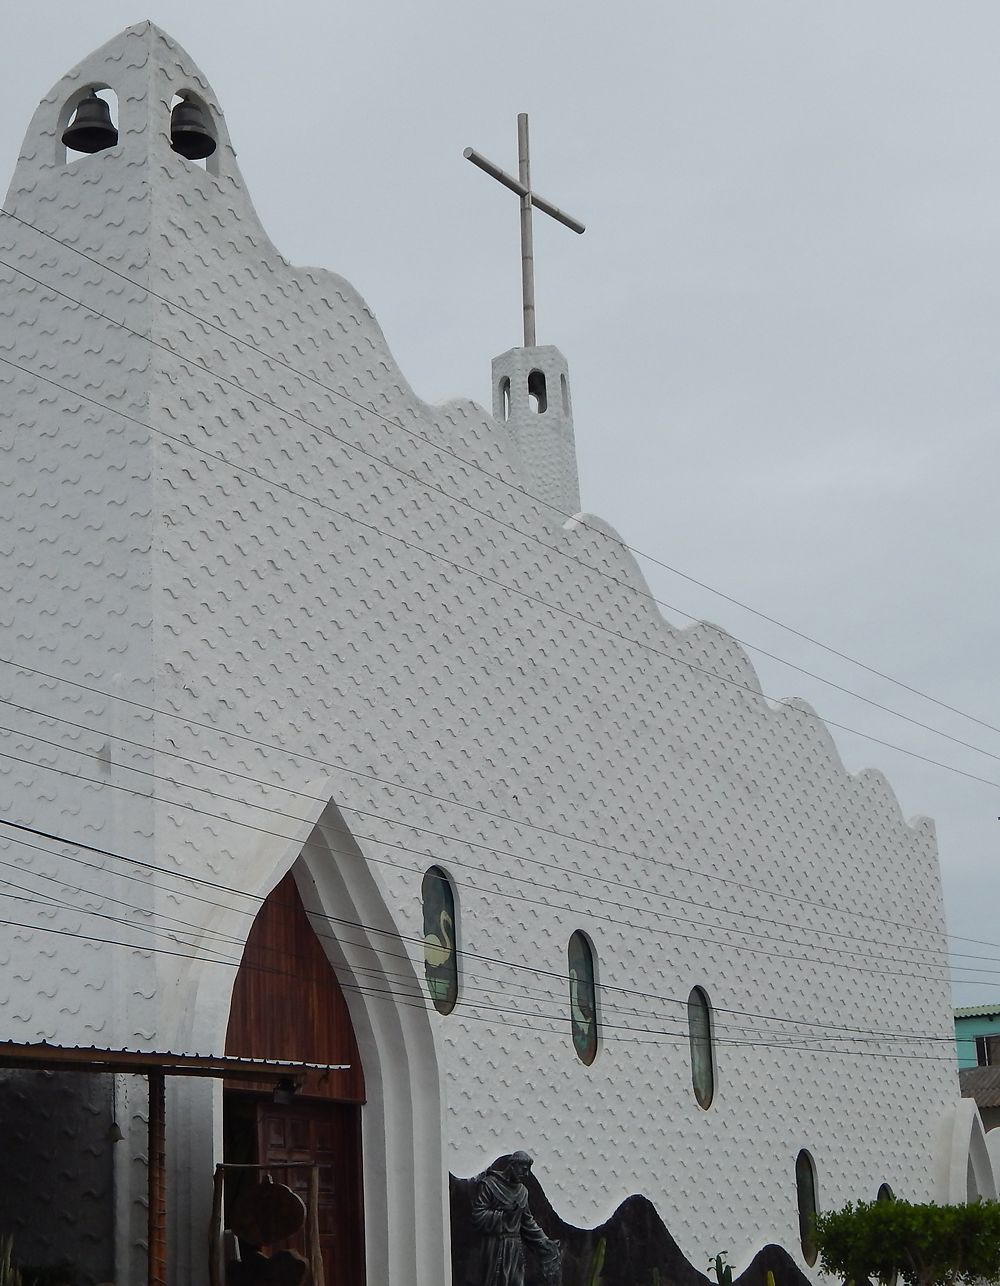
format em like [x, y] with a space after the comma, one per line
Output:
[500, 1212]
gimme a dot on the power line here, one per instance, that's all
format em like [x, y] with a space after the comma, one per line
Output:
[526, 537]
[518, 966]
[520, 857]
[550, 606]
[465, 1015]
[419, 792]
[472, 464]
[777, 1040]
[826, 964]
[258, 829]
[466, 569]
[835, 1029]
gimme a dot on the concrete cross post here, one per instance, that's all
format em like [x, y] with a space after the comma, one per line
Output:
[529, 200]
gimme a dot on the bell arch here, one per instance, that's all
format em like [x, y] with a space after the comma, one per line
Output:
[405, 1176]
[192, 130]
[71, 105]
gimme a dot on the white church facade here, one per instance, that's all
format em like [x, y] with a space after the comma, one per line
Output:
[286, 651]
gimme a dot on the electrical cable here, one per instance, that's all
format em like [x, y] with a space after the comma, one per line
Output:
[465, 805]
[465, 843]
[393, 933]
[465, 569]
[513, 487]
[836, 1031]
[551, 607]
[425, 1003]
[409, 824]
[671, 933]
[480, 1008]
[527, 537]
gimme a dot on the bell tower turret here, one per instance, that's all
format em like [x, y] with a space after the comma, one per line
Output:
[531, 399]
[531, 384]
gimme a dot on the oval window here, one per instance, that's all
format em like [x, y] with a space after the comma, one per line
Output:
[582, 998]
[805, 1188]
[700, 1036]
[440, 946]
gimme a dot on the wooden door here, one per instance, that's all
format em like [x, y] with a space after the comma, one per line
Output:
[329, 1135]
[288, 1004]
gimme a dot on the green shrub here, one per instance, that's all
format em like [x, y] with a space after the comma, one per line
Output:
[927, 1245]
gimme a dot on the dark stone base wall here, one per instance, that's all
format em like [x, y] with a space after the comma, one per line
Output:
[56, 1182]
[638, 1248]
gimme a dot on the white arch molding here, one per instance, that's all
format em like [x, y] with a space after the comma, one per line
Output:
[407, 1238]
[965, 1167]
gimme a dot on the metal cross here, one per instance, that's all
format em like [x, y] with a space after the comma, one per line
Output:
[522, 186]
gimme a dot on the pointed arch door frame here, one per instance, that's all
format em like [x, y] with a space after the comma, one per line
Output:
[407, 1239]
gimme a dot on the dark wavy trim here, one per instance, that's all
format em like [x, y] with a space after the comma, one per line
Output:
[638, 1248]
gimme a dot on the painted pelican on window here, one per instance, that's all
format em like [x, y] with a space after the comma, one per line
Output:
[582, 998]
[440, 951]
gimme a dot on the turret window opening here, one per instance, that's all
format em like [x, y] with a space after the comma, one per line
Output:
[88, 123]
[537, 399]
[505, 398]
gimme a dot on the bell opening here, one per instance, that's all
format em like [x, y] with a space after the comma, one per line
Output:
[92, 126]
[192, 134]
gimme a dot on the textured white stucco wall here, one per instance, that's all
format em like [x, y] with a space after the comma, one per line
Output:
[489, 691]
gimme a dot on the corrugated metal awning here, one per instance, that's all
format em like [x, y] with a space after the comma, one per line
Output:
[46, 1057]
[982, 1084]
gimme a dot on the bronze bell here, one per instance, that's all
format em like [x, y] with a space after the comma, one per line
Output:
[190, 134]
[91, 129]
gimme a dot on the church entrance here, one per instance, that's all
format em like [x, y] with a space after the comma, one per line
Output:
[288, 1004]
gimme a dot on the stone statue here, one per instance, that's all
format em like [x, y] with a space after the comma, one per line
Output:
[500, 1212]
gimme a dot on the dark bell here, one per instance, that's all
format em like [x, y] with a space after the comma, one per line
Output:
[189, 131]
[91, 129]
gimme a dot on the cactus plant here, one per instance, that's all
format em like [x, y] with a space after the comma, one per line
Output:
[10, 1274]
[597, 1264]
[723, 1272]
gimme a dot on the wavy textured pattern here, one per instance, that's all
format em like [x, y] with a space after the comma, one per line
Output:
[270, 580]
[631, 1248]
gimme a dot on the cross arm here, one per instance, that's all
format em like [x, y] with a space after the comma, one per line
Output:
[515, 185]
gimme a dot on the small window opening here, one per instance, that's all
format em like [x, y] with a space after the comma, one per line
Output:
[505, 398]
[440, 940]
[537, 399]
[700, 1035]
[805, 1189]
[582, 997]
[564, 385]
[90, 125]
[192, 134]
[988, 1051]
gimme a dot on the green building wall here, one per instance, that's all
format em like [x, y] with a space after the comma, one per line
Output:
[981, 1020]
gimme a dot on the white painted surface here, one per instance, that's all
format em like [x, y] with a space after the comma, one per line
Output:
[357, 612]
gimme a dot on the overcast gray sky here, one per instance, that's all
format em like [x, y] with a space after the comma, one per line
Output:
[781, 323]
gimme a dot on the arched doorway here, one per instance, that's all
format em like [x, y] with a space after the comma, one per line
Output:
[288, 1004]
